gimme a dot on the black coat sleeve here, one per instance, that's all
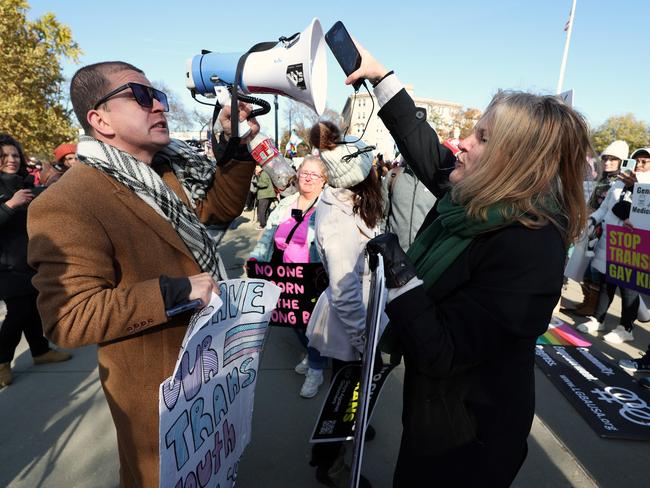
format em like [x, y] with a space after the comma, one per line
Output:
[418, 142]
[514, 279]
[6, 213]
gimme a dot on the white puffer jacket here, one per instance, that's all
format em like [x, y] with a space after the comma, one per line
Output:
[616, 193]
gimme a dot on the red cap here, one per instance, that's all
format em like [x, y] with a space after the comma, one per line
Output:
[64, 149]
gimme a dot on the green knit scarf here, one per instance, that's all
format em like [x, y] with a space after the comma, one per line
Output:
[447, 237]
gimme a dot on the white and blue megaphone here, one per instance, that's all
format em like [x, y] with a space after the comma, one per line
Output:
[295, 67]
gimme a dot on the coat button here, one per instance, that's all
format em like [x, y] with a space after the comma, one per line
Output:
[420, 114]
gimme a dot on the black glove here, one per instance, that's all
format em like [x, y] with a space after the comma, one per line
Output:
[622, 209]
[398, 268]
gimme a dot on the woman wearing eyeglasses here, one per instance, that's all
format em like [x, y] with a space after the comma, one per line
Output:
[610, 161]
[614, 211]
[273, 245]
[289, 238]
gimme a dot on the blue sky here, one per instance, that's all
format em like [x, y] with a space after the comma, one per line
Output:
[457, 51]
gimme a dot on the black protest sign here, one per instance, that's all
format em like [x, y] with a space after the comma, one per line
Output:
[301, 285]
[607, 398]
[355, 388]
[338, 415]
[370, 380]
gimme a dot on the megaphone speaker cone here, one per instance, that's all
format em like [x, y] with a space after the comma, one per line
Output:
[298, 71]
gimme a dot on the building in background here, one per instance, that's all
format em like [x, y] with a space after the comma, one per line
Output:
[443, 116]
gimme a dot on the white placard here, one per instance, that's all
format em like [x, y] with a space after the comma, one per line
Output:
[640, 212]
[567, 97]
[206, 406]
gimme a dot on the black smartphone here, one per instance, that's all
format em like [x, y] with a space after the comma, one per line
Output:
[344, 50]
[37, 190]
[183, 307]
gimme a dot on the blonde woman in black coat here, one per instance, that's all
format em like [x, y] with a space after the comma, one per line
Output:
[481, 279]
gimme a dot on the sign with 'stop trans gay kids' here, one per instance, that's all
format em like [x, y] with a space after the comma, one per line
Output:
[628, 258]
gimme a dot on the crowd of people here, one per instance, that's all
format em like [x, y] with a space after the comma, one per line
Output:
[474, 242]
[609, 204]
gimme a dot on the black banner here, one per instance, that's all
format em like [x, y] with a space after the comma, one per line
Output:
[301, 284]
[339, 413]
[607, 398]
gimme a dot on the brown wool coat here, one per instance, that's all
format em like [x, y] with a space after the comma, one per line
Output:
[99, 251]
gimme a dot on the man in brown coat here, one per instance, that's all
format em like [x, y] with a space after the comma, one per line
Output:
[117, 242]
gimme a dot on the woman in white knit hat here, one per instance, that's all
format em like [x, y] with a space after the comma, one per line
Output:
[614, 211]
[347, 216]
[610, 161]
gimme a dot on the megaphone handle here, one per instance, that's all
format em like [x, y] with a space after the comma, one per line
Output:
[244, 129]
[224, 98]
[235, 95]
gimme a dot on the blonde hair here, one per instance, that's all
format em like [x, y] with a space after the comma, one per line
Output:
[321, 165]
[533, 165]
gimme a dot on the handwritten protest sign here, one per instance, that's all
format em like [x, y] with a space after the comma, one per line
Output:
[206, 405]
[301, 285]
[628, 257]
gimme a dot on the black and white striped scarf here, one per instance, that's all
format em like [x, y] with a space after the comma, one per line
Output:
[194, 172]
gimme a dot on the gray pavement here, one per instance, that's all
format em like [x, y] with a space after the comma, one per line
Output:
[56, 430]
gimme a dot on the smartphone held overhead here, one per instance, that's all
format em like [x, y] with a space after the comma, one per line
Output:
[346, 53]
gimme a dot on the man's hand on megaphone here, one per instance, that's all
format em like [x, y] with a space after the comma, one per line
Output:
[244, 111]
[370, 69]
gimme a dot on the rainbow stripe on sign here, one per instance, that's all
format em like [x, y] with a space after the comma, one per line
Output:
[243, 340]
[560, 334]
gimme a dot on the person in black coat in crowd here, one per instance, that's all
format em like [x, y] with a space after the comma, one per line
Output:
[16, 192]
[481, 279]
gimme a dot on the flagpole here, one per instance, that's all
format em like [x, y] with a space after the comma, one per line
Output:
[560, 82]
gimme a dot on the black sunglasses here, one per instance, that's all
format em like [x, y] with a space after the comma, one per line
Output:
[143, 94]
